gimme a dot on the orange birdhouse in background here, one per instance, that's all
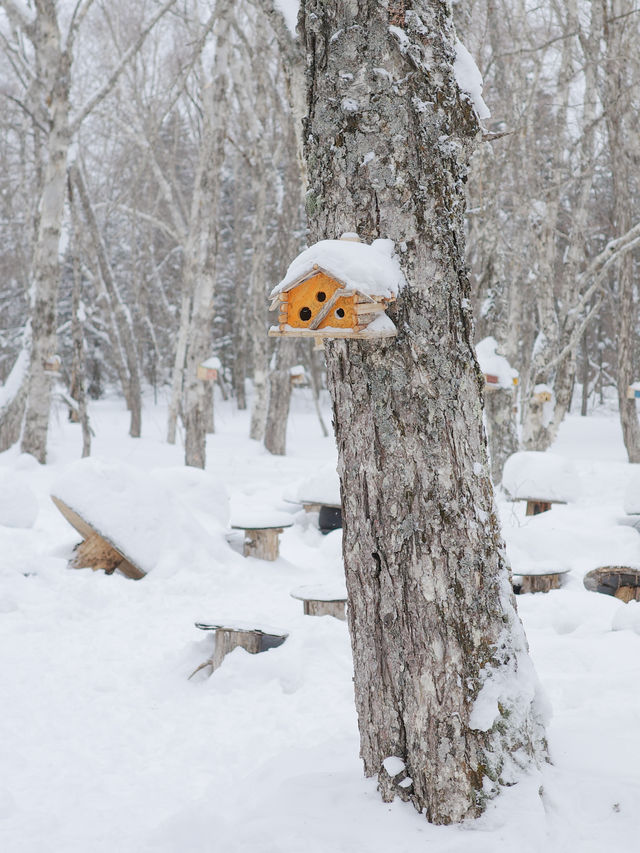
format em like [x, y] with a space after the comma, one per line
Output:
[339, 289]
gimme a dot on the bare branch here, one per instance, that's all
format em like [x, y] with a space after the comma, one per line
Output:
[113, 79]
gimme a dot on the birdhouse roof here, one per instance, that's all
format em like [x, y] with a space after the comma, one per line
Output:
[372, 270]
[212, 363]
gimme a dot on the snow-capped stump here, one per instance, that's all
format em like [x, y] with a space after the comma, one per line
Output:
[540, 479]
[497, 371]
[208, 370]
[339, 289]
[127, 520]
[542, 393]
[322, 600]
[262, 529]
[537, 579]
[227, 637]
[623, 582]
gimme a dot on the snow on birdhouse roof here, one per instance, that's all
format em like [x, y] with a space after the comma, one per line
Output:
[212, 363]
[531, 475]
[494, 364]
[372, 270]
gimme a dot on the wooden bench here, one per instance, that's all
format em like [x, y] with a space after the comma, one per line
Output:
[537, 580]
[623, 582]
[322, 600]
[97, 550]
[229, 637]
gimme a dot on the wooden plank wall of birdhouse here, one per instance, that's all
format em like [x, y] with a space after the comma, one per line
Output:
[305, 295]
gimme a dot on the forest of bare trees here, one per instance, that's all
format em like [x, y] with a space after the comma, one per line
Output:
[153, 192]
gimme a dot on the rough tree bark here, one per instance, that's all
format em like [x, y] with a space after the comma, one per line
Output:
[442, 675]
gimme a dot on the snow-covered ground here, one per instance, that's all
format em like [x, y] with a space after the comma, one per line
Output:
[106, 746]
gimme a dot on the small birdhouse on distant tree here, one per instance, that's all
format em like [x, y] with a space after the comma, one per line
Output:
[339, 289]
[52, 364]
[298, 375]
[208, 370]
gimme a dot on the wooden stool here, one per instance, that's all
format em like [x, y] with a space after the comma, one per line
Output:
[322, 601]
[622, 582]
[261, 538]
[537, 581]
[227, 638]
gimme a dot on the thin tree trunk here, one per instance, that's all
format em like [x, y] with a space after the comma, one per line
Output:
[275, 435]
[122, 317]
[205, 245]
[78, 390]
[46, 270]
[442, 677]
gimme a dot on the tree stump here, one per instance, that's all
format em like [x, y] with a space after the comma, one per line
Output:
[322, 601]
[227, 638]
[622, 582]
[537, 581]
[536, 507]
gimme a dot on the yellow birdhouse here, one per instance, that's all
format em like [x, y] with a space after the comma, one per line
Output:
[208, 370]
[339, 289]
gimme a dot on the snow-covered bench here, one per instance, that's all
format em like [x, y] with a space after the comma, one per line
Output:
[228, 636]
[537, 579]
[262, 529]
[130, 520]
[322, 600]
[321, 494]
[540, 479]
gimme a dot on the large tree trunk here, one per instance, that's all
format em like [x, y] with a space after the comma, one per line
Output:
[442, 675]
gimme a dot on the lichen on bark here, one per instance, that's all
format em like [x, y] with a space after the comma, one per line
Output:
[431, 613]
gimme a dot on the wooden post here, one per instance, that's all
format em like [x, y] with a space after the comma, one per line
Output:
[538, 583]
[536, 507]
[263, 544]
[313, 607]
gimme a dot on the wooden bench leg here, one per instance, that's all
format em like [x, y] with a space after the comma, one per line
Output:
[263, 544]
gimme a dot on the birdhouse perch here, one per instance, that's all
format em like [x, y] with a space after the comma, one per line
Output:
[339, 289]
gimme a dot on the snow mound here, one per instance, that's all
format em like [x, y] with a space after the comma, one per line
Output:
[370, 269]
[540, 476]
[203, 496]
[632, 494]
[18, 502]
[493, 364]
[322, 488]
[134, 511]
